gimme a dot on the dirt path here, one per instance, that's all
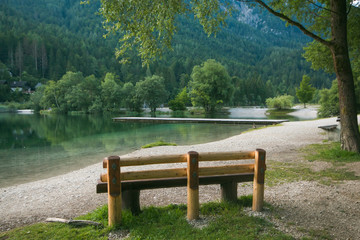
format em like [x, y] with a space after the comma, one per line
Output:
[298, 207]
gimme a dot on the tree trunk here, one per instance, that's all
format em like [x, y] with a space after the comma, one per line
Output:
[350, 137]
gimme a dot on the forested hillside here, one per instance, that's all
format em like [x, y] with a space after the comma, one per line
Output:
[42, 40]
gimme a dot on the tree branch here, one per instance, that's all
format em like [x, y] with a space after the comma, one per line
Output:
[318, 6]
[292, 22]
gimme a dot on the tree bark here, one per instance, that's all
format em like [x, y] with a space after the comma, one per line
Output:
[350, 137]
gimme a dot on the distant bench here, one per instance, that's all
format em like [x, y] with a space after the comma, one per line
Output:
[329, 127]
[124, 188]
[332, 130]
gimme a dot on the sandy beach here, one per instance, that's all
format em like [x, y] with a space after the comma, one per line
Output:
[305, 204]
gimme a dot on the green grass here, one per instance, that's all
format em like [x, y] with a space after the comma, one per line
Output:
[223, 221]
[158, 143]
[281, 172]
[330, 152]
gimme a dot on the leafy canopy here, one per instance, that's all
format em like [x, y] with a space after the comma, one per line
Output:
[150, 24]
[210, 85]
[152, 91]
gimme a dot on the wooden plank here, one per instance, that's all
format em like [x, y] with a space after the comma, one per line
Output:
[328, 127]
[229, 169]
[101, 187]
[151, 174]
[224, 156]
[199, 120]
[178, 158]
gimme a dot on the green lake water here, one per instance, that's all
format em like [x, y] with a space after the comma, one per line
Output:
[35, 147]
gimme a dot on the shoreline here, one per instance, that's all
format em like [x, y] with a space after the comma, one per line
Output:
[73, 194]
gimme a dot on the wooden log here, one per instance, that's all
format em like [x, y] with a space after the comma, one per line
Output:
[229, 169]
[178, 158]
[223, 156]
[150, 174]
[193, 205]
[229, 191]
[101, 187]
[259, 180]
[114, 190]
[139, 161]
[181, 172]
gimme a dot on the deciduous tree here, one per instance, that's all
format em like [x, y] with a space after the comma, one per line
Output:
[152, 91]
[210, 85]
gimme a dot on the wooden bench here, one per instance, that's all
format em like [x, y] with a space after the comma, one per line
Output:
[329, 127]
[333, 132]
[124, 188]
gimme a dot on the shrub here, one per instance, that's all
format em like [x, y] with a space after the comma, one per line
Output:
[280, 102]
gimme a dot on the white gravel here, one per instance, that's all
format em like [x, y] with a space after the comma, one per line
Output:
[308, 205]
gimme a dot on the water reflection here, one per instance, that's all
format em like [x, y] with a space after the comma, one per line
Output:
[34, 147]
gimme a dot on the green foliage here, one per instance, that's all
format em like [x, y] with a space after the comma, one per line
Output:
[35, 99]
[331, 152]
[180, 101]
[306, 92]
[280, 102]
[111, 93]
[329, 101]
[152, 91]
[150, 25]
[131, 100]
[210, 85]
[157, 144]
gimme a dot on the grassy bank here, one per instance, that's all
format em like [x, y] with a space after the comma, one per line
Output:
[218, 221]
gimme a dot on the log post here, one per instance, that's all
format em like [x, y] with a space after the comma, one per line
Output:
[114, 190]
[193, 205]
[131, 201]
[259, 180]
[229, 191]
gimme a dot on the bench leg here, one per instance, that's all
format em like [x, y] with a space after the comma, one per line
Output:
[131, 201]
[229, 191]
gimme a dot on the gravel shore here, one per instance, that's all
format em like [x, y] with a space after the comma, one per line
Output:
[73, 194]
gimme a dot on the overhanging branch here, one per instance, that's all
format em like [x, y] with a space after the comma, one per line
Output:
[292, 22]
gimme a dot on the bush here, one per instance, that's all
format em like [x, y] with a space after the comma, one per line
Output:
[280, 102]
[329, 101]
[180, 101]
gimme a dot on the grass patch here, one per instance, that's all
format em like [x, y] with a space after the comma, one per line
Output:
[223, 221]
[158, 143]
[279, 173]
[330, 152]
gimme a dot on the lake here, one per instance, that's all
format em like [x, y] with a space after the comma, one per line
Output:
[35, 147]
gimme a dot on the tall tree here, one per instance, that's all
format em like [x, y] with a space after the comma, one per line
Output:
[152, 91]
[305, 92]
[210, 85]
[150, 24]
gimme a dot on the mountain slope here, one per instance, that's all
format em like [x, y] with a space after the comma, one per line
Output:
[46, 38]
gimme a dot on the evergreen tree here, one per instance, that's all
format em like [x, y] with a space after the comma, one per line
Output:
[306, 92]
